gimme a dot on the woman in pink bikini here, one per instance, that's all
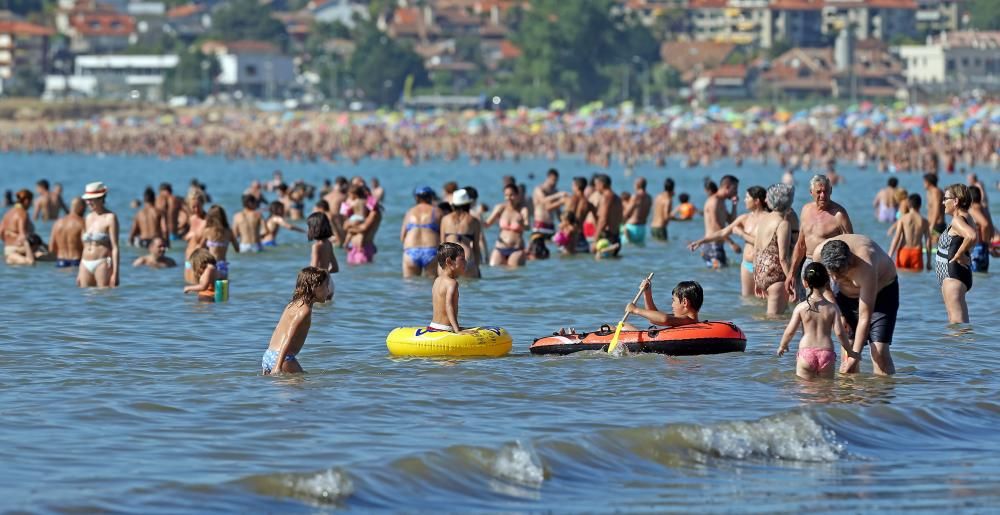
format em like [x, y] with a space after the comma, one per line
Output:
[513, 218]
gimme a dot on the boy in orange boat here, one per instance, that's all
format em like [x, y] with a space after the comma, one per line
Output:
[913, 236]
[687, 299]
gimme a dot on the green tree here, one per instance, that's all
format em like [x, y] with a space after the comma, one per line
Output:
[194, 75]
[247, 19]
[575, 51]
[984, 14]
[380, 65]
[778, 47]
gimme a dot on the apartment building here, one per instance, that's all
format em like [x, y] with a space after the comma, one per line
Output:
[22, 45]
[954, 61]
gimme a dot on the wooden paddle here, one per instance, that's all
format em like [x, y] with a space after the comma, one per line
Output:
[618, 330]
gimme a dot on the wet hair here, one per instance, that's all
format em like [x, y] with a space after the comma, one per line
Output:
[961, 193]
[149, 196]
[710, 186]
[914, 201]
[816, 277]
[42, 183]
[446, 207]
[684, 197]
[512, 186]
[580, 182]
[729, 179]
[24, 197]
[975, 195]
[308, 280]
[759, 194]
[835, 255]
[552, 173]
[641, 181]
[276, 208]
[537, 247]
[359, 191]
[318, 227]
[931, 178]
[819, 180]
[668, 185]
[250, 202]
[35, 240]
[509, 179]
[165, 186]
[892, 182]
[216, 223]
[604, 178]
[340, 179]
[779, 197]
[200, 259]
[690, 291]
[449, 250]
[323, 205]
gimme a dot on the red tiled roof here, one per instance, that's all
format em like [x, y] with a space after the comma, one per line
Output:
[250, 47]
[183, 11]
[102, 24]
[684, 55]
[707, 4]
[881, 4]
[23, 28]
[407, 16]
[509, 50]
[727, 71]
[796, 5]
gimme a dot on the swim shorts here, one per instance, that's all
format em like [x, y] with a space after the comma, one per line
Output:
[658, 233]
[270, 359]
[883, 322]
[981, 257]
[910, 258]
[635, 234]
[67, 263]
[714, 252]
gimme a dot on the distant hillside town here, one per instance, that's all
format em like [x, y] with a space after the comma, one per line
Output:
[458, 54]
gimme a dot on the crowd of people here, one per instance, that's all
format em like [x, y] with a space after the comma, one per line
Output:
[811, 256]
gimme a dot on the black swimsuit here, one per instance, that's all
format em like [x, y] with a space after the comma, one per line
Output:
[948, 246]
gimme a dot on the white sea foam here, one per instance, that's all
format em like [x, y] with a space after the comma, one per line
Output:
[327, 486]
[790, 436]
[519, 463]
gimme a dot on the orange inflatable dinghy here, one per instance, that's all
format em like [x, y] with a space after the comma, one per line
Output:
[687, 340]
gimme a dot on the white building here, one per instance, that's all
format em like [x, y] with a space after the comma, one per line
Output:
[256, 68]
[119, 77]
[954, 61]
[342, 11]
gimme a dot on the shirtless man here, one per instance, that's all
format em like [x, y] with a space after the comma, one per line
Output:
[546, 200]
[974, 182]
[157, 257]
[885, 203]
[335, 198]
[717, 217]
[171, 207]
[912, 238]
[935, 207]
[663, 205]
[868, 296]
[66, 241]
[148, 223]
[818, 221]
[610, 213]
[246, 225]
[48, 205]
[985, 230]
[636, 213]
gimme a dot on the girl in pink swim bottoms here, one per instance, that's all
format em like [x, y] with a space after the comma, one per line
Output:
[820, 319]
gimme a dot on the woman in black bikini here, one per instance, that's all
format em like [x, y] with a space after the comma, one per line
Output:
[952, 261]
[461, 227]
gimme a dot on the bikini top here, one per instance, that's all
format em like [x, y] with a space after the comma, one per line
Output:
[433, 225]
[96, 237]
[513, 226]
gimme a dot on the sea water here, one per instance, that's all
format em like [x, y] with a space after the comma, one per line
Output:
[142, 399]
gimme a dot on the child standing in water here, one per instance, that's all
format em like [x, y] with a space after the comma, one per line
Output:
[819, 318]
[320, 231]
[311, 286]
[451, 266]
[203, 265]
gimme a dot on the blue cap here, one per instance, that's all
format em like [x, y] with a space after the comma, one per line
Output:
[423, 191]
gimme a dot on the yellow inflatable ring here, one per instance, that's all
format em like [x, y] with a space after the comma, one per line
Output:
[485, 341]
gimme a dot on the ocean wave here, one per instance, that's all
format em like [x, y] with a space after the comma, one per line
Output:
[325, 487]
